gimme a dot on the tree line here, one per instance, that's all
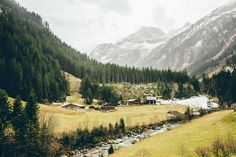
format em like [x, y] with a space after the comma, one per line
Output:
[83, 138]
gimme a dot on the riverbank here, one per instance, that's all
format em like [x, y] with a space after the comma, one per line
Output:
[125, 141]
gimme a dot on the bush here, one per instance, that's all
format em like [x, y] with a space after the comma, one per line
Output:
[218, 148]
[202, 151]
[111, 150]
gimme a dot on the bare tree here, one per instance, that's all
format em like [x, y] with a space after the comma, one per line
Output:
[203, 151]
[218, 148]
[230, 144]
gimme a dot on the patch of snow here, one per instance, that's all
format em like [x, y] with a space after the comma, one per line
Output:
[228, 68]
[193, 102]
[205, 22]
[150, 46]
[216, 29]
[199, 43]
[232, 39]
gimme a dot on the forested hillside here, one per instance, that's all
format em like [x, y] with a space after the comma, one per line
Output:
[32, 58]
[222, 85]
[25, 61]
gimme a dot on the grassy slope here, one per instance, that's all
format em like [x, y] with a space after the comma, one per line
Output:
[74, 82]
[199, 132]
[77, 98]
[67, 120]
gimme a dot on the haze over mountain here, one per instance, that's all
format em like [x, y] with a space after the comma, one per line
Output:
[133, 49]
[84, 24]
[197, 48]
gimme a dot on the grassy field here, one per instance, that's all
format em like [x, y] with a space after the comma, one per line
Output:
[199, 132]
[66, 120]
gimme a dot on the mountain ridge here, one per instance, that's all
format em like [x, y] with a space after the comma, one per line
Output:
[198, 47]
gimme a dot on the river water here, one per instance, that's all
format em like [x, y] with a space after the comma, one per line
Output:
[126, 141]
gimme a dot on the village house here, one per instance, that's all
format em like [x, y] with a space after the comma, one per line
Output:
[74, 107]
[133, 102]
[151, 100]
[107, 107]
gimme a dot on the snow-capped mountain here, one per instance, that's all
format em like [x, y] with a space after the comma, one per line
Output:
[174, 32]
[198, 47]
[131, 49]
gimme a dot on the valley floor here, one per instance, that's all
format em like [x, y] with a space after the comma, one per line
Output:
[67, 120]
[184, 139]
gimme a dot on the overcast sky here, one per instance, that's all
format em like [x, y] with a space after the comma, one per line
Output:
[86, 23]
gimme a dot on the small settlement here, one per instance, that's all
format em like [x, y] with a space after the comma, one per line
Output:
[80, 108]
[196, 102]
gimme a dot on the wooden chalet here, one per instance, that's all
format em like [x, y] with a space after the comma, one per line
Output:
[133, 102]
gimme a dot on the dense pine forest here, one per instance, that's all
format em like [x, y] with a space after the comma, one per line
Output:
[222, 85]
[25, 61]
[33, 58]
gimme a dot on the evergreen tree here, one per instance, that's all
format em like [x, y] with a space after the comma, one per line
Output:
[117, 129]
[32, 138]
[4, 120]
[45, 139]
[114, 98]
[18, 120]
[111, 128]
[188, 114]
[86, 85]
[89, 97]
[122, 125]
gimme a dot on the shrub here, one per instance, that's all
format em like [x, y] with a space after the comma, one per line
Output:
[111, 150]
[202, 151]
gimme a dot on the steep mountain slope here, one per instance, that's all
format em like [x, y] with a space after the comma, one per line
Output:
[132, 49]
[200, 47]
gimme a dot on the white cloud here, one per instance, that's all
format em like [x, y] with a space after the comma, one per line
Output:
[160, 18]
[119, 6]
[87, 23]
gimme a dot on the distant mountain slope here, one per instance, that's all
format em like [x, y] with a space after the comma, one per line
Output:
[198, 48]
[132, 49]
[201, 46]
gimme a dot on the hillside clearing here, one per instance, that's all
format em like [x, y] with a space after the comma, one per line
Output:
[74, 82]
[199, 132]
[66, 120]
